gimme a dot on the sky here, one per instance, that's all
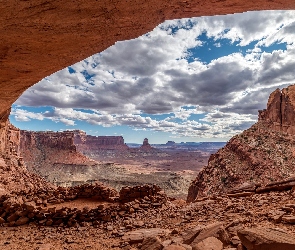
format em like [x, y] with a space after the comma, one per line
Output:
[196, 79]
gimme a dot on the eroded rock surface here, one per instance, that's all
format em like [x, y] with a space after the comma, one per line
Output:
[14, 176]
[79, 216]
[260, 155]
[266, 239]
[280, 112]
[88, 143]
[47, 153]
[145, 145]
[41, 37]
[62, 157]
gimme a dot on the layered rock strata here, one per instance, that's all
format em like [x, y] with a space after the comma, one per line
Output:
[85, 143]
[42, 151]
[14, 176]
[280, 112]
[260, 155]
[46, 36]
[62, 158]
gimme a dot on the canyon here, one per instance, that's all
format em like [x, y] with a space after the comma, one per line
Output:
[243, 199]
[40, 37]
[72, 158]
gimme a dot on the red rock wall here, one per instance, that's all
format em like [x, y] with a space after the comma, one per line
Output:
[42, 151]
[14, 177]
[70, 140]
[85, 142]
[40, 37]
[280, 112]
[58, 140]
[9, 137]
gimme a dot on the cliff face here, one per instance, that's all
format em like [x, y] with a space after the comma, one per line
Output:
[280, 112]
[261, 154]
[42, 151]
[49, 153]
[40, 37]
[64, 140]
[86, 143]
[14, 177]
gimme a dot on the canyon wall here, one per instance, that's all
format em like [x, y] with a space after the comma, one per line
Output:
[75, 140]
[40, 37]
[86, 143]
[64, 155]
[261, 154]
[31, 139]
[14, 176]
[54, 156]
[280, 112]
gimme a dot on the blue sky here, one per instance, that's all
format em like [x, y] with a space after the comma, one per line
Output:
[197, 79]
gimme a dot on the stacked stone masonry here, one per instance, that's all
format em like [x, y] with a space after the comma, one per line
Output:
[23, 208]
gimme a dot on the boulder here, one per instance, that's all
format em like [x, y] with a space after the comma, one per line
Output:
[266, 239]
[151, 243]
[191, 234]
[210, 243]
[213, 230]
[22, 221]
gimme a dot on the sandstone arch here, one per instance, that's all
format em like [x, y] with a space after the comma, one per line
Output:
[40, 37]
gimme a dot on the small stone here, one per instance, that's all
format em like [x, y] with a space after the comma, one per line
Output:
[137, 236]
[12, 217]
[166, 243]
[2, 220]
[151, 243]
[289, 219]
[22, 221]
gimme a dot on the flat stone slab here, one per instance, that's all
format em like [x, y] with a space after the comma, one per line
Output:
[242, 194]
[139, 235]
[210, 243]
[266, 239]
[213, 230]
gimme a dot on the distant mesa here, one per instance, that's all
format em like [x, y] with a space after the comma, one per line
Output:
[170, 143]
[75, 140]
[47, 152]
[85, 142]
[145, 145]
